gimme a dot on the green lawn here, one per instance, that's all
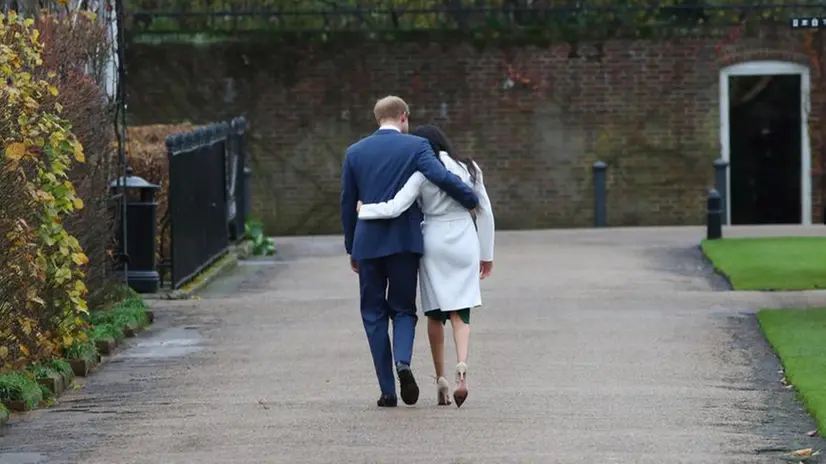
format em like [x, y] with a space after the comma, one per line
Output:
[777, 263]
[799, 338]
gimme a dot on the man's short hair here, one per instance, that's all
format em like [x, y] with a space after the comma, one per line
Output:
[390, 108]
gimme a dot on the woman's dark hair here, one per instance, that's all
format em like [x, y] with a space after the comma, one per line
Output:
[439, 142]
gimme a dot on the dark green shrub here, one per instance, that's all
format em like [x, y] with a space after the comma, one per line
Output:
[261, 244]
[60, 366]
[85, 350]
[41, 371]
[107, 331]
[20, 387]
[130, 312]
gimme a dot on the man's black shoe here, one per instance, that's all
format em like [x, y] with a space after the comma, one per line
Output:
[387, 401]
[409, 389]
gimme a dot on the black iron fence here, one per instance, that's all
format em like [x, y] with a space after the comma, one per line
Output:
[206, 206]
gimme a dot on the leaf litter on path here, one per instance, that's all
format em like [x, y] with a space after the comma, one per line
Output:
[802, 455]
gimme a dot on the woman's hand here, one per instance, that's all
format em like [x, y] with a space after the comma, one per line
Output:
[358, 206]
[485, 268]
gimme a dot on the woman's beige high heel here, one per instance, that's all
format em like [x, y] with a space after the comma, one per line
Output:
[444, 391]
[460, 394]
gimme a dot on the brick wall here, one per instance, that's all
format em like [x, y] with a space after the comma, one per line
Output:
[535, 118]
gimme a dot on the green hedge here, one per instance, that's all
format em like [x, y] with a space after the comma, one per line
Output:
[20, 387]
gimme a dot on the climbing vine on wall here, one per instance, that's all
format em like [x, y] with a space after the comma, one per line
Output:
[519, 22]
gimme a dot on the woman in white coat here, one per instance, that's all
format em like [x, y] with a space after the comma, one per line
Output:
[457, 254]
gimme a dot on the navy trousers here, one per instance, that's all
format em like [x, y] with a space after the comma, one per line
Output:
[388, 293]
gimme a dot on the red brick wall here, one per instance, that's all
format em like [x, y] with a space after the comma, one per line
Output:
[535, 118]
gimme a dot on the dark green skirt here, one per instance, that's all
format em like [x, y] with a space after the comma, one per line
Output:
[443, 316]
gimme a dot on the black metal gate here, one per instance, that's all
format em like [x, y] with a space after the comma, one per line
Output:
[197, 200]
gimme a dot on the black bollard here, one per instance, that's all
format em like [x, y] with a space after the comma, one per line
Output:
[714, 218]
[720, 181]
[600, 195]
[141, 232]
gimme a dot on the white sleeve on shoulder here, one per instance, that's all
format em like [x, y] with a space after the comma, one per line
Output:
[485, 224]
[400, 203]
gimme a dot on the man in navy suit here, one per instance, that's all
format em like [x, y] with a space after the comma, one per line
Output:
[385, 253]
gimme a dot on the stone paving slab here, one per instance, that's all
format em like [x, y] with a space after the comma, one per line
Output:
[610, 346]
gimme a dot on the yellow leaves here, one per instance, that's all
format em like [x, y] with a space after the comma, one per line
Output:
[30, 105]
[56, 138]
[11, 166]
[46, 255]
[62, 2]
[80, 288]
[62, 275]
[15, 151]
[80, 259]
[68, 340]
[26, 325]
[32, 296]
[43, 196]
[16, 62]
[79, 156]
[805, 453]
[73, 242]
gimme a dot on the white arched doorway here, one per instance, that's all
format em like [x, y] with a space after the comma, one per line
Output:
[768, 68]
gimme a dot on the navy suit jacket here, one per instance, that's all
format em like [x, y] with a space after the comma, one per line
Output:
[375, 169]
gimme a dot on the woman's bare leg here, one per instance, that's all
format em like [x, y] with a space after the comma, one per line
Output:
[461, 336]
[436, 336]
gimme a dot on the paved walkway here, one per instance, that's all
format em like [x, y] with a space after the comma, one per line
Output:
[609, 346]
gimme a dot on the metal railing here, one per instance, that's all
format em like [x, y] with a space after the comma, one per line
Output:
[205, 204]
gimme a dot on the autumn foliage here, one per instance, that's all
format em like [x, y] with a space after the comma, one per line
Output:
[42, 289]
[147, 155]
[76, 49]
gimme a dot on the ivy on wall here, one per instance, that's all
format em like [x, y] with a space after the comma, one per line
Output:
[516, 22]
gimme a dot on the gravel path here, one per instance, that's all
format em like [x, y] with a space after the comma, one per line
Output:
[608, 346]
